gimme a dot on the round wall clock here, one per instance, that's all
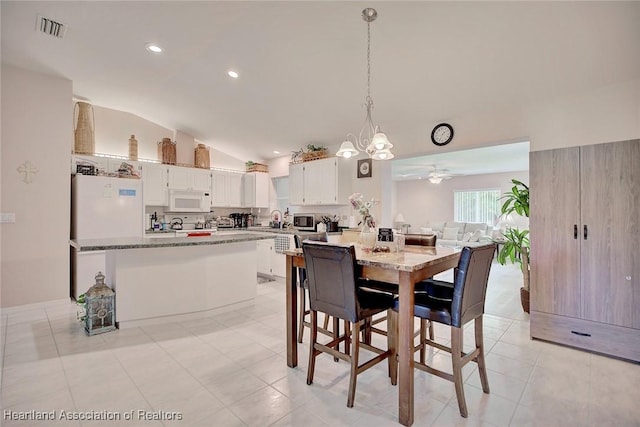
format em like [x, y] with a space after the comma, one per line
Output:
[442, 134]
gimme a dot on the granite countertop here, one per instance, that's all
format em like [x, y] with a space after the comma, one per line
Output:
[289, 231]
[143, 242]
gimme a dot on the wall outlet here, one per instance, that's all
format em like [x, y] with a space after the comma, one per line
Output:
[7, 218]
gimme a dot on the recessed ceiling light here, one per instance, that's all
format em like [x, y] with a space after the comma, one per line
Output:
[276, 152]
[232, 74]
[153, 48]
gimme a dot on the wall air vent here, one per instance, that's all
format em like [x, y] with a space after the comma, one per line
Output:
[50, 27]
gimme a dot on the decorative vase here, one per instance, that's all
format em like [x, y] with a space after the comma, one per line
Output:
[133, 148]
[201, 156]
[167, 151]
[368, 238]
[84, 130]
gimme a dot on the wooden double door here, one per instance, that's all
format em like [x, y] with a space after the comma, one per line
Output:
[585, 245]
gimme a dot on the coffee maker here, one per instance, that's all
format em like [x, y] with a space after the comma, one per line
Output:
[236, 218]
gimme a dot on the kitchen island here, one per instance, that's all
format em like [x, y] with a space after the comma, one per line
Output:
[187, 276]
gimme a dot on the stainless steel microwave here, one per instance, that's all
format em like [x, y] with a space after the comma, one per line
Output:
[304, 221]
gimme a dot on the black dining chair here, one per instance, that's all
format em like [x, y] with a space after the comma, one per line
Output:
[420, 239]
[333, 276]
[455, 304]
[303, 288]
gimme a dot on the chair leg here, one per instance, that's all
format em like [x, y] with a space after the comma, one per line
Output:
[482, 369]
[355, 343]
[312, 351]
[303, 293]
[326, 321]
[423, 338]
[431, 330]
[392, 343]
[336, 332]
[347, 337]
[456, 357]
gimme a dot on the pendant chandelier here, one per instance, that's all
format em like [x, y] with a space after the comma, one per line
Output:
[370, 139]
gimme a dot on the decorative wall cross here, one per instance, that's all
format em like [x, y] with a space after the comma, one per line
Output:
[28, 170]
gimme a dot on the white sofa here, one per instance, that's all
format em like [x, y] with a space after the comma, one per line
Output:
[452, 233]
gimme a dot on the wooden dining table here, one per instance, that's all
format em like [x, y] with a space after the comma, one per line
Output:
[405, 269]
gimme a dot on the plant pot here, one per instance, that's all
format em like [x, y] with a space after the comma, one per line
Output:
[524, 299]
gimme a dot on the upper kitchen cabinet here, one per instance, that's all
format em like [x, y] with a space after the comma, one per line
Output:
[155, 184]
[182, 178]
[256, 190]
[320, 182]
[227, 189]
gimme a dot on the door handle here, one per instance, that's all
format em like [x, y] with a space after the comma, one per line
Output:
[585, 232]
[575, 231]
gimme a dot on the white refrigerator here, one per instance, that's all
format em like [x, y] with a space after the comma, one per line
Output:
[101, 207]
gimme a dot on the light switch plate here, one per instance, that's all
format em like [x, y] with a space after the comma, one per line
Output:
[7, 218]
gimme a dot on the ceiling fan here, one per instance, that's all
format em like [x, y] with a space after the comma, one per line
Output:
[432, 173]
[436, 176]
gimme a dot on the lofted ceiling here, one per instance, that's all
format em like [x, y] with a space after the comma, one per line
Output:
[302, 65]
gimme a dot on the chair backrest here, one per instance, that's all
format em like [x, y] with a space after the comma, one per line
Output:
[331, 272]
[316, 237]
[420, 239]
[470, 283]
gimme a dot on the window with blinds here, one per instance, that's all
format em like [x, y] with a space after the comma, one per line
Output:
[477, 206]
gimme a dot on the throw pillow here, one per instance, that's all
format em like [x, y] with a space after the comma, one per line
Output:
[450, 233]
[475, 237]
[467, 236]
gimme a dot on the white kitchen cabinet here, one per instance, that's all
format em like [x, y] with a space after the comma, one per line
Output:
[256, 190]
[265, 248]
[227, 189]
[320, 182]
[155, 184]
[296, 188]
[183, 178]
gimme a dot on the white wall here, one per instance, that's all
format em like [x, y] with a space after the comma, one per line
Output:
[421, 201]
[113, 129]
[36, 127]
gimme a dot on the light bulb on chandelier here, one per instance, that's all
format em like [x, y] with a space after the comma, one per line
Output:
[370, 139]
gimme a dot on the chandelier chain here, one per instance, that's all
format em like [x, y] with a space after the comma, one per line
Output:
[368, 59]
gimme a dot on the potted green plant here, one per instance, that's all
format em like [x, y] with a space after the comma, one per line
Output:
[517, 244]
[315, 152]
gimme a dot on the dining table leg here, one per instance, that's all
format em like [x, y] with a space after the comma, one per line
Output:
[292, 313]
[405, 348]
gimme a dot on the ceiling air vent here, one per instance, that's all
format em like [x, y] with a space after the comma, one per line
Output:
[50, 27]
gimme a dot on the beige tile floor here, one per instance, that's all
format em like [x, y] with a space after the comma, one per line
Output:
[230, 370]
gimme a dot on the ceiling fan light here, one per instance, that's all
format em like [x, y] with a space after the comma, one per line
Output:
[347, 150]
[435, 180]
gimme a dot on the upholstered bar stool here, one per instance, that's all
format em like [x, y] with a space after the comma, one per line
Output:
[333, 277]
[303, 289]
[456, 304]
